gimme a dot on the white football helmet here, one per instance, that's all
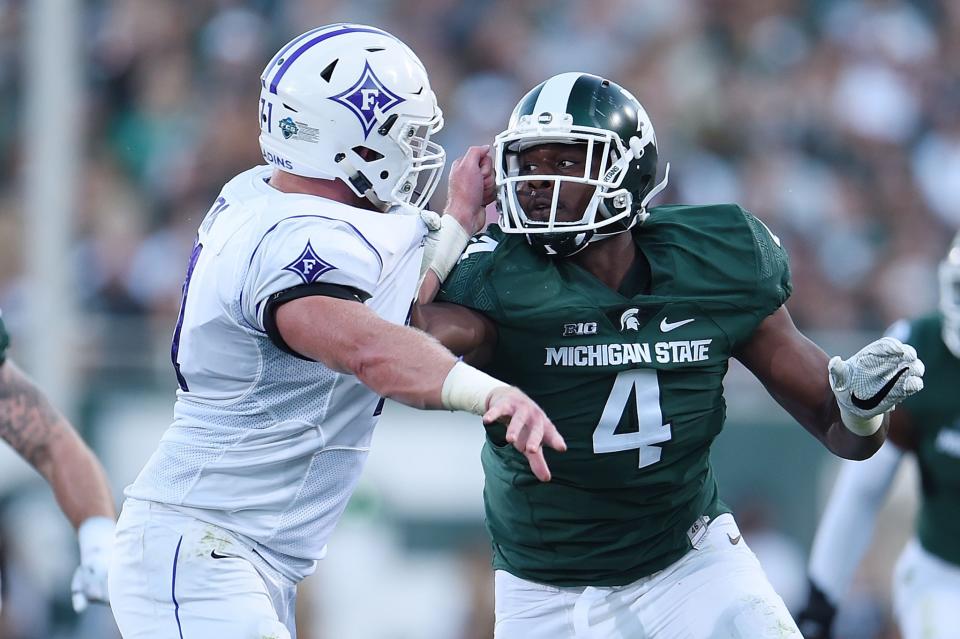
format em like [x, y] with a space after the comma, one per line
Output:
[950, 296]
[353, 102]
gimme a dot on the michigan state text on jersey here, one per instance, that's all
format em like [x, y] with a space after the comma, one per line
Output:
[620, 320]
[636, 378]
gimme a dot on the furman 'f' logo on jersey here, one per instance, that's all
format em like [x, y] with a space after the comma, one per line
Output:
[309, 266]
[367, 99]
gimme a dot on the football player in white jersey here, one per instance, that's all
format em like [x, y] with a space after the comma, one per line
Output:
[291, 332]
[42, 436]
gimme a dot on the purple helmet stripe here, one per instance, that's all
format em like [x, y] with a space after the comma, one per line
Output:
[320, 38]
[290, 45]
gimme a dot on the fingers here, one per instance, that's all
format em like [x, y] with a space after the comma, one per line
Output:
[913, 385]
[538, 465]
[78, 598]
[913, 380]
[837, 369]
[553, 438]
[528, 429]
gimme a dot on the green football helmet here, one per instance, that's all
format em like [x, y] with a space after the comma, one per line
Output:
[950, 296]
[579, 108]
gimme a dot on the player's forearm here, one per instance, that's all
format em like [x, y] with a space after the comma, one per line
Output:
[403, 364]
[78, 480]
[818, 412]
[392, 360]
[39, 434]
[841, 441]
[428, 288]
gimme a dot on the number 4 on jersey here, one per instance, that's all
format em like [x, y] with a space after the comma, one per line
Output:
[645, 387]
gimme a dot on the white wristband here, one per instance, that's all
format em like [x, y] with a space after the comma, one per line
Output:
[862, 426]
[95, 536]
[451, 240]
[466, 388]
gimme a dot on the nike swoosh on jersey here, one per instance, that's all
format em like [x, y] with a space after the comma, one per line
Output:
[734, 540]
[872, 402]
[666, 326]
[216, 555]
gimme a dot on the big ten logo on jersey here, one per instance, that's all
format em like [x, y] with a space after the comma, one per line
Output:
[579, 328]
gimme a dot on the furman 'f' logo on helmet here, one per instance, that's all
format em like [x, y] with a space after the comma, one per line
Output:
[366, 98]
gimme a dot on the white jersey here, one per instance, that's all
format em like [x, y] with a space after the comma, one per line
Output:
[263, 443]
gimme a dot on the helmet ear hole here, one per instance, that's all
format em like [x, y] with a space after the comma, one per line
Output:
[368, 154]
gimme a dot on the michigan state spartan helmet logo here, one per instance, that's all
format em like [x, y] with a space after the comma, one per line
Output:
[629, 321]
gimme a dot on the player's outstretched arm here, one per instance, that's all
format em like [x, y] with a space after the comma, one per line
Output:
[43, 437]
[795, 372]
[411, 367]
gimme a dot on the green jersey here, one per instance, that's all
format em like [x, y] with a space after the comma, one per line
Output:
[4, 340]
[633, 381]
[935, 417]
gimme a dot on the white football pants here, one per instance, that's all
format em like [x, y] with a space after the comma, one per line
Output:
[715, 591]
[174, 577]
[926, 594]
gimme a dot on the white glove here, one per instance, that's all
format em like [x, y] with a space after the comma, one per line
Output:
[881, 375]
[96, 547]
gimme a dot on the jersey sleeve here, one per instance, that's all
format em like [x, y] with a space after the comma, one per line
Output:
[772, 268]
[4, 340]
[301, 252]
[758, 274]
[469, 283]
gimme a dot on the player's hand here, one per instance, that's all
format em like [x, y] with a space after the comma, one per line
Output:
[817, 616]
[89, 583]
[528, 427]
[881, 375]
[471, 188]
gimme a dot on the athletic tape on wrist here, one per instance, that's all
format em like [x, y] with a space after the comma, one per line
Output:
[466, 388]
[95, 535]
[451, 240]
[862, 426]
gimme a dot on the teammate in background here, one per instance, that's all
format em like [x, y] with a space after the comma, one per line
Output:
[620, 322]
[46, 440]
[291, 333]
[926, 588]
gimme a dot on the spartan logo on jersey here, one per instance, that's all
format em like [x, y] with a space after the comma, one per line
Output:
[288, 127]
[309, 266]
[629, 320]
[367, 98]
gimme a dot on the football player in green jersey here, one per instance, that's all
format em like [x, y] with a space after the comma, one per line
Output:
[41, 435]
[926, 585]
[620, 322]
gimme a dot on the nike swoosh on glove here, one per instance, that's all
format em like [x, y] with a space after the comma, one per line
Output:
[881, 375]
[89, 583]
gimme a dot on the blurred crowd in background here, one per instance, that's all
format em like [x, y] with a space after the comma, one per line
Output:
[834, 121]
